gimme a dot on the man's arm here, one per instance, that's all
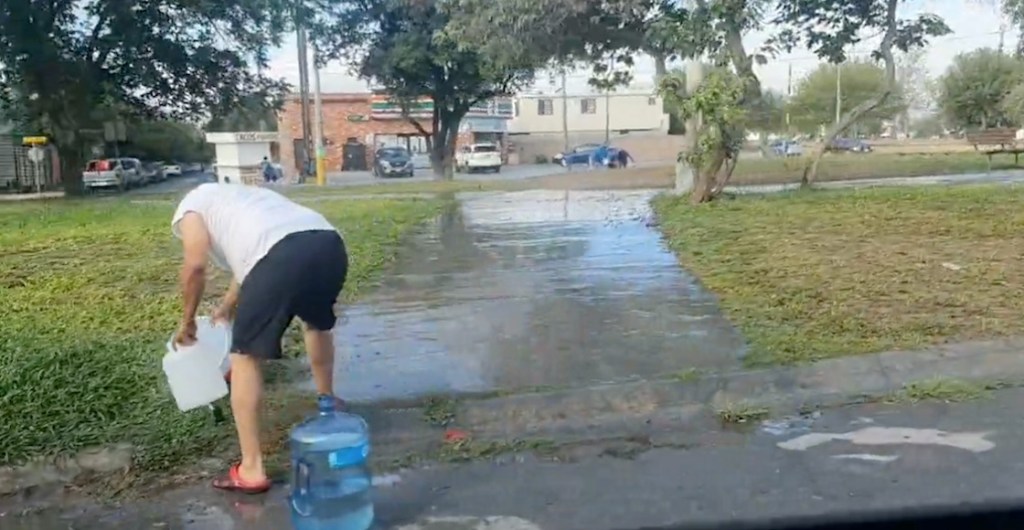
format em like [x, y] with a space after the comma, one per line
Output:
[196, 242]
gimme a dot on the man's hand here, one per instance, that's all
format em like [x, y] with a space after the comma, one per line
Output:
[224, 313]
[186, 335]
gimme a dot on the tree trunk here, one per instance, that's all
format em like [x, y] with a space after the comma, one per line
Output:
[885, 49]
[705, 183]
[71, 166]
[442, 145]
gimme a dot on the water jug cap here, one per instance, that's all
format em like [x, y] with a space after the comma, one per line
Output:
[325, 403]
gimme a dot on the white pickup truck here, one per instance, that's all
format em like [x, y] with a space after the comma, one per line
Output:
[478, 157]
[117, 173]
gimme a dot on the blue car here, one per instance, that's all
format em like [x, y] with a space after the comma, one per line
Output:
[580, 155]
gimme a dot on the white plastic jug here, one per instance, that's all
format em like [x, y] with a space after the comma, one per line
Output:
[196, 373]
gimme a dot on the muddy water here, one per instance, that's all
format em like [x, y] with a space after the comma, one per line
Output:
[531, 289]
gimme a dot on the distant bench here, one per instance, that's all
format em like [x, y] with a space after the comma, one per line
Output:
[996, 141]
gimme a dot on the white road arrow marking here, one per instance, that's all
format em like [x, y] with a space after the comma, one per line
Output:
[974, 442]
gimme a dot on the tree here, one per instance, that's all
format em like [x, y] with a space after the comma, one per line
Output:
[164, 140]
[407, 49]
[915, 84]
[715, 107]
[768, 113]
[829, 27]
[66, 66]
[972, 90]
[928, 126]
[251, 114]
[814, 103]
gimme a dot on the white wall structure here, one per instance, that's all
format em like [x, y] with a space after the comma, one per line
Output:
[239, 154]
[588, 113]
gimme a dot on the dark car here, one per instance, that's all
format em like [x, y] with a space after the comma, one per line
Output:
[392, 162]
[580, 155]
[850, 145]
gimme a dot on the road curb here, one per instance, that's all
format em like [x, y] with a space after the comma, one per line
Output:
[614, 410]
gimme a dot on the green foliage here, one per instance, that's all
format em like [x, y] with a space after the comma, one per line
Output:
[717, 101]
[251, 114]
[90, 297]
[814, 103]
[767, 113]
[165, 140]
[829, 27]
[405, 48]
[974, 87]
[60, 61]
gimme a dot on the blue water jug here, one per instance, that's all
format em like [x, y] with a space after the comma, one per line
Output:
[330, 477]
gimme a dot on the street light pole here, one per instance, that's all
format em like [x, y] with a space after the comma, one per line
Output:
[318, 122]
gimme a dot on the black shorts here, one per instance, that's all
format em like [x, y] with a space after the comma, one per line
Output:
[301, 276]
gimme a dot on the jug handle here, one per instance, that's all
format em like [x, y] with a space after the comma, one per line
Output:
[302, 476]
[302, 485]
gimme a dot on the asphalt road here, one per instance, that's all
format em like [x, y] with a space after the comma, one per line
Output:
[856, 459]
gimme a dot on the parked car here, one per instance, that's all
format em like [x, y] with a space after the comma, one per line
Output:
[850, 145]
[113, 173]
[393, 162]
[581, 154]
[478, 157]
[787, 148]
[172, 170]
[153, 172]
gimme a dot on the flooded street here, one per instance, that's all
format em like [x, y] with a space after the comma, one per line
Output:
[531, 289]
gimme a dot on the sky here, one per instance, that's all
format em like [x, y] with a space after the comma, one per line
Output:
[975, 24]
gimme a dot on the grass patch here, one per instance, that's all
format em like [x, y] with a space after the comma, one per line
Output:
[849, 166]
[90, 296]
[688, 375]
[943, 389]
[439, 411]
[812, 275]
[738, 413]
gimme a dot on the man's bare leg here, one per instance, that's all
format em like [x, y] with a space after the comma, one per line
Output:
[246, 399]
[320, 348]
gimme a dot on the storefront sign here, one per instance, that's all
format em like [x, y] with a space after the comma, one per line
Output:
[256, 137]
[33, 140]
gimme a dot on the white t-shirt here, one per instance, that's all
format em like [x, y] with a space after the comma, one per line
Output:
[245, 222]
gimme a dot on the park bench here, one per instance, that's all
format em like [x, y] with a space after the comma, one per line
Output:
[995, 141]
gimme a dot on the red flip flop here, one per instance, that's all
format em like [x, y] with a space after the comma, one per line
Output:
[234, 482]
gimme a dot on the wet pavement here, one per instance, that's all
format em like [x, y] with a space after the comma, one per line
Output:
[532, 289]
[853, 459]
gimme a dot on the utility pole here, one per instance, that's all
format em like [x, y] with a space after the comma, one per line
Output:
[1002, 35]
[684, 173]
[304, 94]
[565, 113]
[839, 92]
[318, 120]
[608, 103]
[789, 93]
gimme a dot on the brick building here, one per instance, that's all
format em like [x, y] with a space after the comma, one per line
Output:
[356, 124]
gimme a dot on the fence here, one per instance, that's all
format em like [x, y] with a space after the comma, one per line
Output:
[18, 174]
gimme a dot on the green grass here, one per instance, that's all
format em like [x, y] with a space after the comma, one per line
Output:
[812, 275]
[943, 389]
[860, 166]
[89, 297]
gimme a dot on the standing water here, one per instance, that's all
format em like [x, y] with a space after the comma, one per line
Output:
[331, 480]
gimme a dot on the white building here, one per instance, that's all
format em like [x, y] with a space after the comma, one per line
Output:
[620, 113]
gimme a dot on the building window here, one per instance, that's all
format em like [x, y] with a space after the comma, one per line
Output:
[545, 107]
[588, 106]
[652, 101]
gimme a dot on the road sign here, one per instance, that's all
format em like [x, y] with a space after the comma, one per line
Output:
[37, 154]
[33, 140]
